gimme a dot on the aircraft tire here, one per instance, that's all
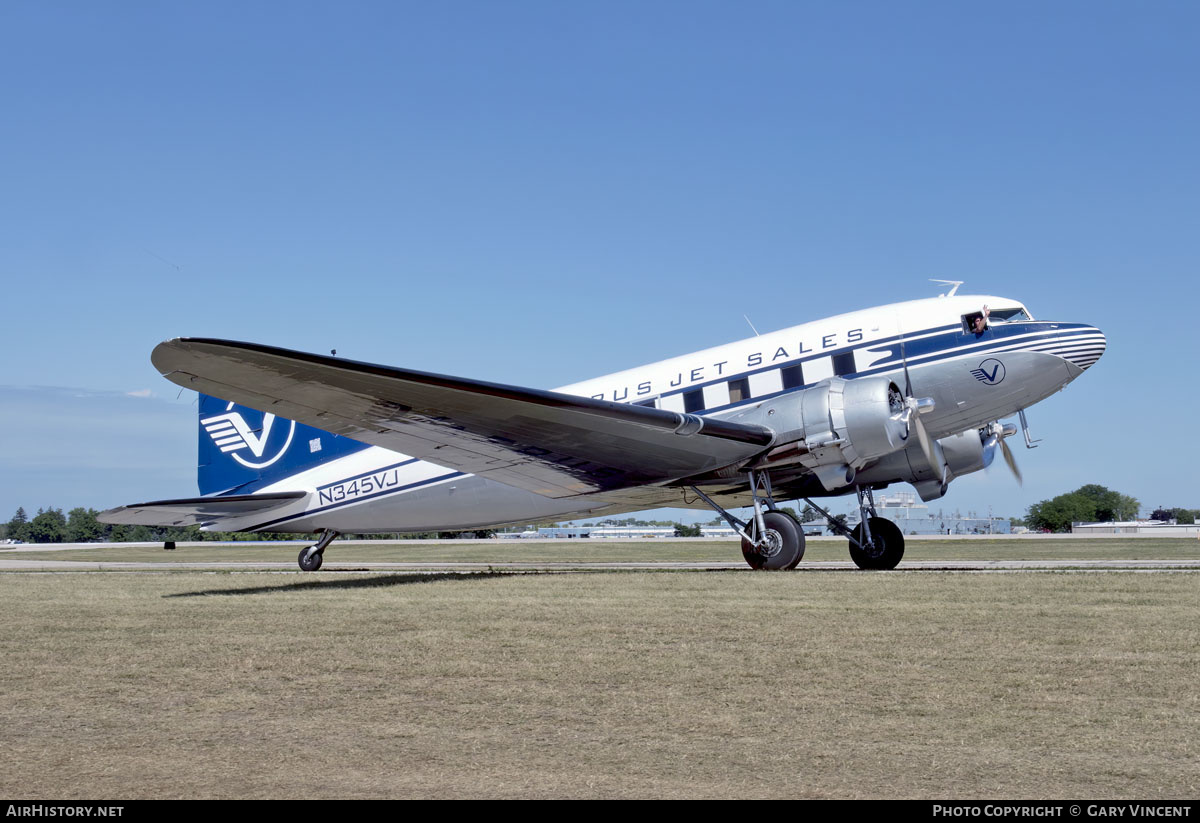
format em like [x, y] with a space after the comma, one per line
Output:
[889, 546]
[791, 544]
[309, 560]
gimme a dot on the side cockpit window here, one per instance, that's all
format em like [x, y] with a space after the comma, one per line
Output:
[975, 322]
[1017, 315]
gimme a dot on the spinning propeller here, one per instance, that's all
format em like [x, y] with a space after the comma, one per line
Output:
[994, 435]
[915, 407]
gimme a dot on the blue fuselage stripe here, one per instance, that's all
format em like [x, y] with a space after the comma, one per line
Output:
[344, 503]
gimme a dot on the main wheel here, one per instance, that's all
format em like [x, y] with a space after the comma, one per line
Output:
[310, 560]
[888, 548]
[785, 544]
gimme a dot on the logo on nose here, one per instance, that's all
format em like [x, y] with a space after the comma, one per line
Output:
[990, 372]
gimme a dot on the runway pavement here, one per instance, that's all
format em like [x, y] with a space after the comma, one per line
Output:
[13, 562]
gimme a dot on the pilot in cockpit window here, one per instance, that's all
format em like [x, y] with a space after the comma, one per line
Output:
[977, 322]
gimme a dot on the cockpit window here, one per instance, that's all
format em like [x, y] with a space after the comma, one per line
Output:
[978, 322]
[1009, 316]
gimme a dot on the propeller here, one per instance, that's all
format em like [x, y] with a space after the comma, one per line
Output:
[994, 438]
[1011, 461]
[914, 408]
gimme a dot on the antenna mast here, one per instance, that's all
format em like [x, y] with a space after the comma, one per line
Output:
[954, 283]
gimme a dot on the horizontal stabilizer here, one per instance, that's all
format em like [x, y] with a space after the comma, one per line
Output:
[197, 511]
[552, 444]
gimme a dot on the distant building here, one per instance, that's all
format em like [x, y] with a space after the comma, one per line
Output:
[903, 508]
[913, 517]
[1166, 528]
[627, 532]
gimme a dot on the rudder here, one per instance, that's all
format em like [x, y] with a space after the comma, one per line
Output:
[242, 449]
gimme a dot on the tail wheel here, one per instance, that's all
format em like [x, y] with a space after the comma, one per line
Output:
[310, 559]
[784, 544]
[888, 545]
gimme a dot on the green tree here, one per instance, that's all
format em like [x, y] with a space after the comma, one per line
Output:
[1092, 502]
[18, 527]
[1184, 517]
[49, 526]
[140, 534]
[82, 526]
[1110, 505]
[1057, 514]
[687, 531]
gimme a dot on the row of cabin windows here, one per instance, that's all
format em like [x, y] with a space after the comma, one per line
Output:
[790, 377]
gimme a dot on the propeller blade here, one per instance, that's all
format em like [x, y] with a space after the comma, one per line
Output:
[931, 455]
[1011, 461]
[915, 409]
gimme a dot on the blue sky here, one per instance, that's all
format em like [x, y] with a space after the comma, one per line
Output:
[537, 193]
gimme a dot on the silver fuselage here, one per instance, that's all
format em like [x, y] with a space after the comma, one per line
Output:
[973, 378]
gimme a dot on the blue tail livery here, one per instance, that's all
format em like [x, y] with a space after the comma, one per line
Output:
[242, 449]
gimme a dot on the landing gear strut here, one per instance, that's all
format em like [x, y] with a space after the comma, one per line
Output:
[311, 556]
[772, 540]
[876, 542]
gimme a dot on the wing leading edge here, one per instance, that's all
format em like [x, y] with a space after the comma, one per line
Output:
[555, 445]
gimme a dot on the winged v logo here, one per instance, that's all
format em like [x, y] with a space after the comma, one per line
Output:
[231, 433]
[990, 372]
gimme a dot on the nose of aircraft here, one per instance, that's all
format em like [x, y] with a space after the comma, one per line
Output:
[1082, 346]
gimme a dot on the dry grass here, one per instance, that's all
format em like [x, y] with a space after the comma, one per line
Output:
[601, 685]
[496, 551]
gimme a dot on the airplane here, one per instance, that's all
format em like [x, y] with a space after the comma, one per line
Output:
[911, 392]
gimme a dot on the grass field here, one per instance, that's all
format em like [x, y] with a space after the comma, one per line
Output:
[647, 684]
[516, 551]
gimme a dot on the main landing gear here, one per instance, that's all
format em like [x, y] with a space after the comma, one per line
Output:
[773, 539]
[311, 556]
[876, 542]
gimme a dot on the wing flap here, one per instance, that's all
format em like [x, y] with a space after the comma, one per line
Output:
[553, 444]
[197, 511]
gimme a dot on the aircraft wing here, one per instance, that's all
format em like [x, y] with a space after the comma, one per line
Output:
[196, 511]
[556, 445]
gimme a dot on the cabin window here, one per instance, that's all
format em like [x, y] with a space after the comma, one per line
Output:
[843, 364]
[716, 395]
[693, 401]
[971, 323]
[765, 383]
[793, 376]
[818, 369]
[647, 403]
[739, 390]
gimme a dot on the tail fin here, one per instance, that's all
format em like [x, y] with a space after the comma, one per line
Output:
[242, 449]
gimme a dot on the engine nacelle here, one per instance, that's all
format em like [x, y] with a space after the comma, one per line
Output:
[834, 428]
[964, 453]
